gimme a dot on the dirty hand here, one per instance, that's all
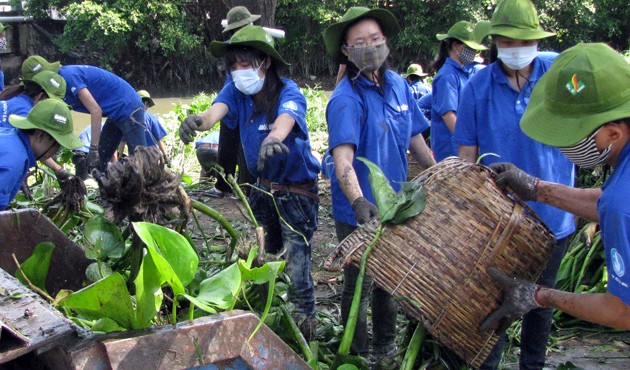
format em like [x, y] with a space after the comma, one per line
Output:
[62, 175]
[167, 161]
[93, 158]
[270, 146]
[187, 128]
[364, 210]
[519, 297]
[508, 175]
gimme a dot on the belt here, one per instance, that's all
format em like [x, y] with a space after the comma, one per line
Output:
[302, 189]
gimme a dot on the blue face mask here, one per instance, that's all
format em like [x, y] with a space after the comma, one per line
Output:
[247, 81]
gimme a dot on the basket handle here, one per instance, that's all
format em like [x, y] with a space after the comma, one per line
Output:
[512, 227]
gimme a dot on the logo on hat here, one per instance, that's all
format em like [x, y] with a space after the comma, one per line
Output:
[575, 85]
[60, 118]
[36, 67]
[54, 83]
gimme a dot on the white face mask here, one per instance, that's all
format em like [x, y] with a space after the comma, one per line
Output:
[518, 57]
[247, 81]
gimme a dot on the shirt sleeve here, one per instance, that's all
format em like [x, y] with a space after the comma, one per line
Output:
[344, 117]
[74, 80]
[10, 177]
[466, 127]
[293, 102]
[446, 94]
[616, 237]
[227, 96]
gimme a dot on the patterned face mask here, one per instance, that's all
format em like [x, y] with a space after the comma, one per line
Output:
[3, 43]
[585, 153]
[467, 55]
[368, 58]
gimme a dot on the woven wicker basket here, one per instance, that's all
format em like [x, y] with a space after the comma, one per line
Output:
[437, 260]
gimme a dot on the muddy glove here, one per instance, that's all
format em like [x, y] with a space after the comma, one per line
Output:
[508, 175]
[167, 161]
[93, 158]
[187, 128]
[270, 147]
[62, 175]
[519, 297]
[364, 210]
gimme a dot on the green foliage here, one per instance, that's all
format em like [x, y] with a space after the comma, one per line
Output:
[103, 239]
[36, 266]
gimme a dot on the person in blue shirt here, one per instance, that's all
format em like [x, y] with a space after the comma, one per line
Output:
[207, 151]
[3, 46]
[580, 106]
[491, 107]
[271, 115]
[370, 114]
[415, 78]
[101, 94]
[457, 49]
[32, 138]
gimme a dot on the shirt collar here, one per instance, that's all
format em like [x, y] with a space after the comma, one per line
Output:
[27, 145]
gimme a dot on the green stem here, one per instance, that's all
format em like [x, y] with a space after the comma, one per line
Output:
[414, 347]
[242, 198]
[203, 235]
[297, 334]
[348, 333]
[210, 212]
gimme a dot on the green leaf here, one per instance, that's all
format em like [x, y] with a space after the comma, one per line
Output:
[174, 249]
[103, 239]
[36, 266]
[263, 274]
[384, 195]
[97, 270]
[107, 298]
[149, 294]
[219, 290]
[106, 325]
[414, 202]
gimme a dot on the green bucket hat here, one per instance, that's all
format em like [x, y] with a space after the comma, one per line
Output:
[52, 116]
[587, 86]
[238, 17]
[464, 32]
[144, 95]
[251, 36]
[334, 33]
[482, 30]
[35, 64]
[52, 83]
[414, 69]
[517, 19]
[3, 27]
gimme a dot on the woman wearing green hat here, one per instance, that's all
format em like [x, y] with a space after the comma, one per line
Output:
[491, 107]
[36, 137]
[271, 115]
[580, 106]
[371, 114]
[458, 48]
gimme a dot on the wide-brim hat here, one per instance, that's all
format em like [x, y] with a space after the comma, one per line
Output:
[482, 30]
[251, 36]
[333, 36]
[587, 86]
[35, 64]
[52, 116]
[239, 16]
[3, 27]
[52, 83]
[517, 19]
[144, 95]
[464, 32]
[414, 69]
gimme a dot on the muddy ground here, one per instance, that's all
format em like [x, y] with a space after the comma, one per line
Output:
[587, 349]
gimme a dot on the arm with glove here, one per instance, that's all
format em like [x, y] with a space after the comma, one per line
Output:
[520, 296]
[272, 144]
[364, 210]
[201, 122]
[580, 202]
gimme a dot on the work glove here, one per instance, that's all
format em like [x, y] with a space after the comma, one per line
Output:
[93, 158]
[519, 297]
[62, 175]
[187, 129]
[269, 147]
[364, 210]
[167, 161]
[508, 175]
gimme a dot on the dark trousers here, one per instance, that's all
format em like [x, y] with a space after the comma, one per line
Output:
[384, 308]
[536, 323]
[231, 154]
